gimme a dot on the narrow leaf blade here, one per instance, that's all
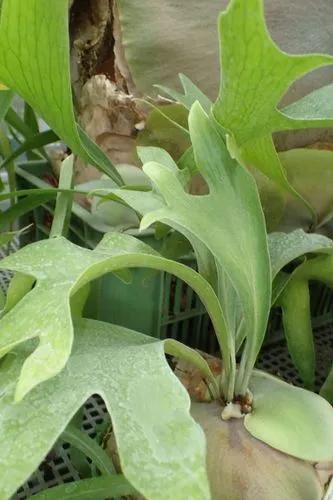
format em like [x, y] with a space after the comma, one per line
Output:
[296, 314]
[97, 488]
[64, 202]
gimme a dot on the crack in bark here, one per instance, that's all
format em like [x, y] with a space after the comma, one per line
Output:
[102, 83]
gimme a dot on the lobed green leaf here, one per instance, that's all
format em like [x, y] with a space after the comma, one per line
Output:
[255, 75]
[60, 269]
[161, 449]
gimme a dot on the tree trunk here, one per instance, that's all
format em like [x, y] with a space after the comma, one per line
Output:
[104, 99]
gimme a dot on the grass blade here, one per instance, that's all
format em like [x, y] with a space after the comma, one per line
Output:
[90, 448]
[97, 488]
[64, 201]
[34, 142]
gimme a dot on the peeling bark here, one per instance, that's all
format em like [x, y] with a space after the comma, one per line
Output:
[122, 71]
[92, 40]
[103, 86]
[192, 379]
[111, 118]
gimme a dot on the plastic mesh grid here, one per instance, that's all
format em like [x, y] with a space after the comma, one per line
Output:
[276, 360]
[181, 307]
[5, 276]
[57, 468]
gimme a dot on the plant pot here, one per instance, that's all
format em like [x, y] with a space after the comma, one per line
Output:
[241, 467]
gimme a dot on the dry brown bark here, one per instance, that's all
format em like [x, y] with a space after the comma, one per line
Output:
[105, 94]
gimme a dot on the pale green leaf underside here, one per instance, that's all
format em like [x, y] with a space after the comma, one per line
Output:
[285, 247]
[290, 419]
[162, 450]
[60, 269]
[313, 110]
[36, 65]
